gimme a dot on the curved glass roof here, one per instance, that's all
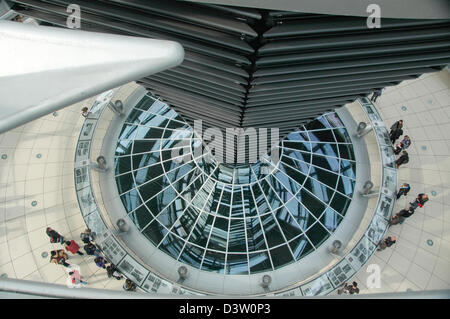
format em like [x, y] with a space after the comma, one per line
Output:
[232, 219]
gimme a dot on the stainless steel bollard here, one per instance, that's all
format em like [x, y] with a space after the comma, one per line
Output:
[362, 129]
[266, 280]
[116, 107]
[182, 272]
[334, 249]
[101, 162]
[123, 227]
[366, 188]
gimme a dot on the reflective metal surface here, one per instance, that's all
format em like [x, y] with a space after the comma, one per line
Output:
[232, 219]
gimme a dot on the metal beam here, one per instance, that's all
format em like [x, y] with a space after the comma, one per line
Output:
[43, 69]
[414, 9]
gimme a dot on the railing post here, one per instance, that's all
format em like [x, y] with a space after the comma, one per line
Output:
[362, 129]
[367, 190]
[116, 107]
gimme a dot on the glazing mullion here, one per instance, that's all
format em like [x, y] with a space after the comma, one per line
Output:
[212, 227]
[163, 190]
[323, 155]
[182, 213]
[245, 228]
[260, 224]
[196, 222]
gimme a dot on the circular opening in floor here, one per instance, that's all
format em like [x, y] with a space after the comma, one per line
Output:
[232, 219]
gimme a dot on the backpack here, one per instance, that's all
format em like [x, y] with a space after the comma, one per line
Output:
[89, 249]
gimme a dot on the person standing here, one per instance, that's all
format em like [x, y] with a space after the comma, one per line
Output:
[92, 250]
[86, 236]
[387, 242]
[396, 131]
[75, 277]
[404, 189]
[403, 159]
[73, 247]
[349, 289]
[401, 215]
[129, 285]
[59, 257]
[54, 236]
[375, 95]
[404, 144]
[100, 262]
[420, 200]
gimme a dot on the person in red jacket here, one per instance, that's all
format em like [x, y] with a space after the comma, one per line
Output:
[73, 247]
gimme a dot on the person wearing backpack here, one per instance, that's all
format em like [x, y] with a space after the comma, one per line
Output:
[349, 289]
[54, 236]
[73, 247]
[59, 257]
[401, 215]
[129, 285]
[375, 95]
[75, 277]
[396, 131]
[91, 250]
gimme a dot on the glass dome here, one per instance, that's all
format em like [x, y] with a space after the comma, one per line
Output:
[232, 219]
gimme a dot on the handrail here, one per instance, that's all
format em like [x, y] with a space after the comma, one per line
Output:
[42, 289]
[47, 290]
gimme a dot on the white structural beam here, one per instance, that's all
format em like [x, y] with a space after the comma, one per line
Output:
[43, 69]
[32, 289]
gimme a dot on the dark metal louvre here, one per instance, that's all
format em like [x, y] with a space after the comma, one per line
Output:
[380, 61]
[246, 67]
[338, 24]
